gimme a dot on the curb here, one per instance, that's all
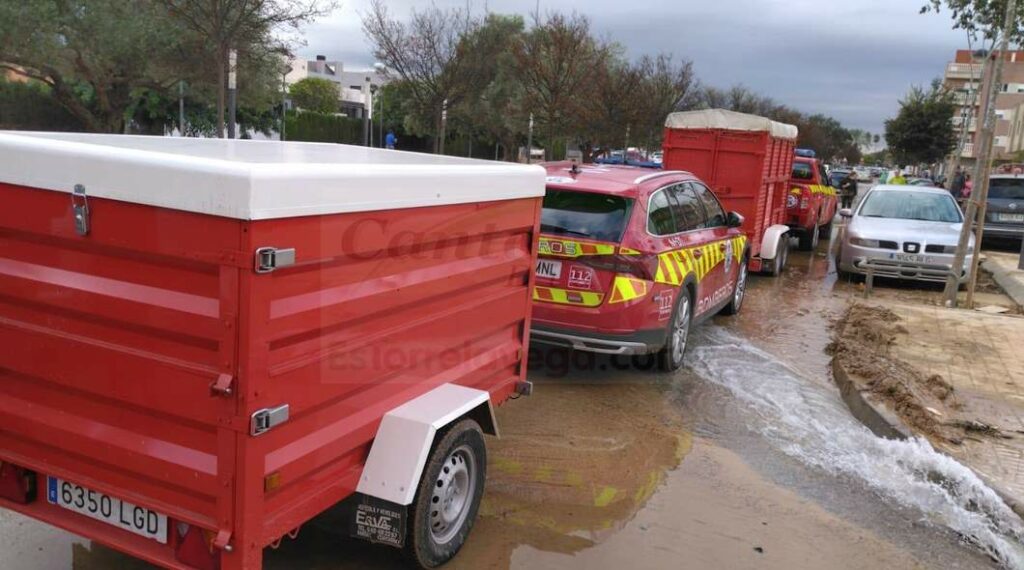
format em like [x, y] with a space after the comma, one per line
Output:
[1013, 286]
[884, 422]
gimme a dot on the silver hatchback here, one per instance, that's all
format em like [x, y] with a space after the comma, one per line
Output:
[903, 232]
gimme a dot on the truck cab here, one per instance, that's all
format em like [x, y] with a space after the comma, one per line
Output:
[811, 202]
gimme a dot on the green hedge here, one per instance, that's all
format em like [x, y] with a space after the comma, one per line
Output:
[29, 106]
[323, 127]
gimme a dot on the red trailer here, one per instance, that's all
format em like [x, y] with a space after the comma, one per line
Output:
[747, 161]
[208, 342]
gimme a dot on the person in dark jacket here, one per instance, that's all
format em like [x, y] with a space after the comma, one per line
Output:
[848, 189]
[958, 183]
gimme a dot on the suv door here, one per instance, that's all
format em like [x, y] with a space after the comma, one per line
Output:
[722, 259]
[692, 239]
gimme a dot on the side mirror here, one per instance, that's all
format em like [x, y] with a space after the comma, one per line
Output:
[734, 220]
[846, 213]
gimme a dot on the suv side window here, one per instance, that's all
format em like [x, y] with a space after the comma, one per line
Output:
[659, 216]
[715, 213]
[686, 207]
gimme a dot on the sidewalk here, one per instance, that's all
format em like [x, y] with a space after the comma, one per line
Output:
[954, 376]
[1003, 267]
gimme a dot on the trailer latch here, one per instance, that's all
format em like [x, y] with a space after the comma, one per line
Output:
[265, 419]
[271, 258]
[222, 385]
[80, 209]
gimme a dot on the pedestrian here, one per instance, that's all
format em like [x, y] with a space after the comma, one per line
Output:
[883, 176]
[957, 186]
[390, 139]
[965, 193]
[848, 189]
[897, 178]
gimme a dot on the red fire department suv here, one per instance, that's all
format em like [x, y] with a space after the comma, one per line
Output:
[630, 259]
[811, 203]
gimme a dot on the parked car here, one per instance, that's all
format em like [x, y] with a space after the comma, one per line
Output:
[811, 203]
[1004, 217]
[904, 232]
[863, 173]
[631, 259]
[207, 343]
[836, 176]
[916, 181]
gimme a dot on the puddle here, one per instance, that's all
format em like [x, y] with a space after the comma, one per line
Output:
[807, 421]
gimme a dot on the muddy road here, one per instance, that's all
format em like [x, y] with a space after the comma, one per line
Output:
[746, 458]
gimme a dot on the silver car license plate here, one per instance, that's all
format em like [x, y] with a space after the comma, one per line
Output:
[911, 258]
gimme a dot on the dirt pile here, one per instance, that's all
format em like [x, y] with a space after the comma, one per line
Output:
[862, 346]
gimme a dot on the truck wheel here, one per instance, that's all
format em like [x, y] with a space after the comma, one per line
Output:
[738, 292]
[670, 358]
[448, 497]
[809, 238]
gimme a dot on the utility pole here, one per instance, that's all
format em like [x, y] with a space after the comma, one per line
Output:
[976, 206]
[284, 97]
[232, 91]
[444, 124]
[367, 102]
[965, 117]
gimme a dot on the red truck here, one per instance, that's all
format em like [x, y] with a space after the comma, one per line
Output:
[209, 342]
[746, 160]
[811, 203]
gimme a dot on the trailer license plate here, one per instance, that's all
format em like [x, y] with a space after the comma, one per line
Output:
[110, 510]
[548, 269]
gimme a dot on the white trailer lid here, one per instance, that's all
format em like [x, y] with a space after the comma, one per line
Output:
[729, 120]
[255, 180]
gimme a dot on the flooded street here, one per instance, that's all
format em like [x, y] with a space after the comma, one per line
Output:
[746, 458]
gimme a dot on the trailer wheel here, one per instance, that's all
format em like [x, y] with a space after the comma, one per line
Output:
[670, 358]
[781, 257]
[448, 497]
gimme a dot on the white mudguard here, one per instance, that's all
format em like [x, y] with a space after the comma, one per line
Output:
[400, 449]
[771, 240]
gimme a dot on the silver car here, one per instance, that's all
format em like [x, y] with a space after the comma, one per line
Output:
[1005, 213]
[903, 232]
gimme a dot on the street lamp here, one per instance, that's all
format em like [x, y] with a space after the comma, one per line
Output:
[381, 70]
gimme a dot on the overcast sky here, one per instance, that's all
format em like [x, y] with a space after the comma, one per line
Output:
[851, 59]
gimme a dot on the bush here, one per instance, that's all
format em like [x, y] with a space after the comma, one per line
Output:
[29, 106]
[315, 94]
[323, 127]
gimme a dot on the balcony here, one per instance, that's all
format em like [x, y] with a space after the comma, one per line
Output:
[963, 70]
[958, 123]
[968, 150]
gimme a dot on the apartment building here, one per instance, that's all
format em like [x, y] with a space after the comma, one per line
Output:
[355, 88]
[964, 77]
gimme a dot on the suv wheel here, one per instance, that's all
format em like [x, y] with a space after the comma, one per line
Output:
[671, 357]
[739, 291]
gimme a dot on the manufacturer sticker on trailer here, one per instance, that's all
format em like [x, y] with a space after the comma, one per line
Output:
[111, 510]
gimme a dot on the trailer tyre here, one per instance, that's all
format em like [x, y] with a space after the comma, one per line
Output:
[448, 497]
[781, 257]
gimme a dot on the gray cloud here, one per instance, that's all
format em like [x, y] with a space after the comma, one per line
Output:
[849, 59]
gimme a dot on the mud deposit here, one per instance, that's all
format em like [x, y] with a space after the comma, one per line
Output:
[864, 337]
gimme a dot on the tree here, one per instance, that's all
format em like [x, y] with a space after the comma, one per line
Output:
[922, 131]
[231, 24]
[429, 54]
[315, 94]
[556, 62]
[665, 86]
[96, 57]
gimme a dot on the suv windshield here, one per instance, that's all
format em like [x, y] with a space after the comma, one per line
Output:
[582, 214]
[925, 206]
[1006, 188]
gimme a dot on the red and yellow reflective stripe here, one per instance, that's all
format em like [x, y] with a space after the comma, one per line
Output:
[569, 248]
[674, 266]
[567, 297]
[626, 289]
[628, 251]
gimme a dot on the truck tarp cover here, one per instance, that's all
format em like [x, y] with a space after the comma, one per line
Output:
[729, 120]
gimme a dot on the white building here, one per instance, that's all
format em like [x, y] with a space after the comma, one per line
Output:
[355, 88]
